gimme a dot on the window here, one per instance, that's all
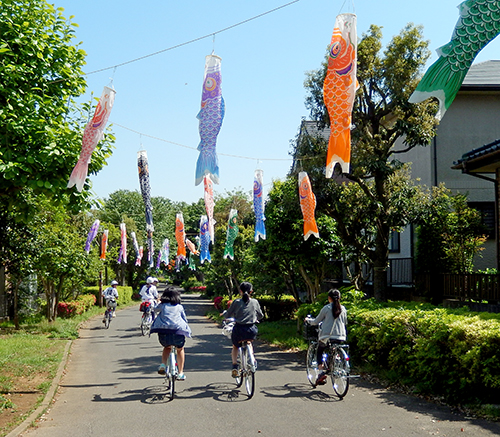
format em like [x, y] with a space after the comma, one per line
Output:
[487, 210]
[394, 242]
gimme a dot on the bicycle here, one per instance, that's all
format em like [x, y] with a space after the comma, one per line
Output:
[171, 372]
[335, 360]
[108, 314]
[247, 364]
[147, 318]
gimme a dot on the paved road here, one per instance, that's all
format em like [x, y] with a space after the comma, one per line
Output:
[111, 388]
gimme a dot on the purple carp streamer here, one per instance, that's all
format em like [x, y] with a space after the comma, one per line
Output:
[210, 117]
[478, 24]
[92, 134]
[258, 206]
[92, 234]
[123, 248]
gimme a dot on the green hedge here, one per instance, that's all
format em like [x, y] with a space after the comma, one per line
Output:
[280, 308]
[124, 293]
[454, 354]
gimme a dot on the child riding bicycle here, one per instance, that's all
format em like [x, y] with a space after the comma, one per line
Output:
[334, 318]
[172, 328]
[246, 312]
[110, 295]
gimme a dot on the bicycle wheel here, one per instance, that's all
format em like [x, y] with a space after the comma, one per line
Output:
[339, 368]
[239, 378]
[249, 375]
[146, 323]
[106, 319]
[172, 372]
[312, 363]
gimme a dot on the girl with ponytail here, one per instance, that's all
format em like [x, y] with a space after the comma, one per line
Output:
[246, 313]
[334, 318]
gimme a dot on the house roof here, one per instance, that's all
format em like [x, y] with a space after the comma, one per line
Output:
[485, 159]
[482, 75]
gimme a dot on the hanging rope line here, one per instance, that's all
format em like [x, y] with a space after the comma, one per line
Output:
[212, 34]
[194, 148]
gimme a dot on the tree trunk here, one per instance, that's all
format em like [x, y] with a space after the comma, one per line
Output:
[380, 259]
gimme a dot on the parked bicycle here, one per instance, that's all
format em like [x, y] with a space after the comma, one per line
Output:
[171, 372]
[147, 317]
[108, 314]
[335, 360]
[247, 364]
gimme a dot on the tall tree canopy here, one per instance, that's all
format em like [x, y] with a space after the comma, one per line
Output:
[382, 119]
[40, 124]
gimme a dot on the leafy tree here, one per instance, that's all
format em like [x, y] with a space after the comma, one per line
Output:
[285, 254]
[40, 126]
[450, 233]
[381, 117]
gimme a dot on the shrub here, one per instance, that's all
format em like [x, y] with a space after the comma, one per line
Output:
[277, 308]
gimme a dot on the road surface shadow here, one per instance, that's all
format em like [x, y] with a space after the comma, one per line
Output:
[303, 391]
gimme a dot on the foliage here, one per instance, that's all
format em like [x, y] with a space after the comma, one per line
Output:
[450, 233]
[289, 262]
[443, 352]
[40, 125]
[381, 116]
[76, 307]
[124, 294]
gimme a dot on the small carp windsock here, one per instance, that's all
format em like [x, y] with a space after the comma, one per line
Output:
[209, 204]
[138, 261]
[180, 237]
[142, 164]
[204, 240]
[123, 249]
[92, 134]
[165, 251]
[258, 206]
[104, 244]
[136, 248]
[232, 232]
[339, 90]
[191, 246]
[307, 205]
[210, 117]
[478, 24]
[151, 249]
[91, 235]
[158, 260]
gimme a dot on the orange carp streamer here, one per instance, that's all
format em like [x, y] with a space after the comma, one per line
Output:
[339, 90]
[180, 236]
[307, 205]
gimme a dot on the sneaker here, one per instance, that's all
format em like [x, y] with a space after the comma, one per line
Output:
[235, 373]
[181, 377]
[103, 320]
[161, 369]
[114, 315]
[321, 379]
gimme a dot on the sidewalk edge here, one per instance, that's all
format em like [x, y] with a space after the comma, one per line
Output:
[26, 423]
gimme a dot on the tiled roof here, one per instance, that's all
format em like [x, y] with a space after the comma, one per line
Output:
[480, 151]
[484, 74]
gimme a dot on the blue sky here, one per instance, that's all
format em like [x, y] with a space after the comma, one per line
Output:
[264, 62]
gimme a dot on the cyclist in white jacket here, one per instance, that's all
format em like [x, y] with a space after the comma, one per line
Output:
[111, 294]
[334, 318]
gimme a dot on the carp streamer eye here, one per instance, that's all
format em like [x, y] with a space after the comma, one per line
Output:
[210, 84]
[335, 49]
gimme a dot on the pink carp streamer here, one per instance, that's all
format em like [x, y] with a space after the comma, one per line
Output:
[339, 90]
[209, 205]
[123, 248]
[92, 134]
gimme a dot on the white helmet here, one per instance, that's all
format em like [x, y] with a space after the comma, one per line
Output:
[149, 280]
[155, 280]
[114, 283]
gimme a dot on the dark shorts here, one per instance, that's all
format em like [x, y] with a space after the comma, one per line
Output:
[171, 340]
[243, 332]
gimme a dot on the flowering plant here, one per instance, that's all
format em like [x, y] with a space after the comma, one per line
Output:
[218, 302]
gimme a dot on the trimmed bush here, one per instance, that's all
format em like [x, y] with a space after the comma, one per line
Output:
[277, 308]
[124, 293]
[452, 354]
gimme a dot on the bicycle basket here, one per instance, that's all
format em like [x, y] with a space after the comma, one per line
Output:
[310, 332]
[227, 329]
[145, 307]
